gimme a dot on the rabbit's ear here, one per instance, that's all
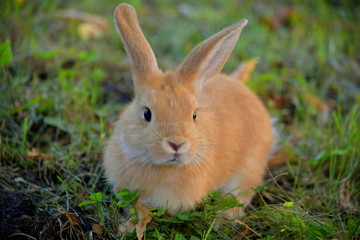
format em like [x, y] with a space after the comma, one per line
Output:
[141, 55]
[209, 57]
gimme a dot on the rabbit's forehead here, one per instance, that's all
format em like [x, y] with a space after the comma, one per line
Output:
[170, 98]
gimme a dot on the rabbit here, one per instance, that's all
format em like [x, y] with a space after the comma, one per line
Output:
[189, 131]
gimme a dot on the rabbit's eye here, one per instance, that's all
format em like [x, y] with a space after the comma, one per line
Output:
[147, 115]
[194, 116]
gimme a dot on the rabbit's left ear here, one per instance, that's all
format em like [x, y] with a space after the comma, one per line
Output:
[209, 57]
[141, 55]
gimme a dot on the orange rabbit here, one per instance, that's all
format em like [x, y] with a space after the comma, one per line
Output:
[189, 131]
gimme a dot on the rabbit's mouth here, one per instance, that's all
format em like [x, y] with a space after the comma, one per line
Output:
[176, 159]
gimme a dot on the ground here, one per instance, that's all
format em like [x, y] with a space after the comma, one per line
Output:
[64, 77]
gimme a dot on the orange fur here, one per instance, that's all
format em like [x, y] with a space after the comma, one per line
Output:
[226, 147]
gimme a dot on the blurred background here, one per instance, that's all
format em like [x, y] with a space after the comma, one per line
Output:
[64, 77]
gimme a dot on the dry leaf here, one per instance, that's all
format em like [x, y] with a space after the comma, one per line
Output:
[280, 154]
[283, 102]
[321, 106]
[244, 70]
[278, 101]
[280, 18]
[72, 218]
[317, 102]
[245, 232]
[268, 196]
[91, 26]
[16, 169]
[345, 197]
[128, 227]
[98, 229]
[89, 30]
[19, 3]
[76, 15]
[20, 179]
[144, 219]
[280, 158]
[34, 154]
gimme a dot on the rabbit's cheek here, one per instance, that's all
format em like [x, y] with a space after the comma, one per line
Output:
[132, 150]
[125, 148]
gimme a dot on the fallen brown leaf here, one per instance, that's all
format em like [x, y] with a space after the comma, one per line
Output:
[127, 227]
[20, 179]
[285, 103]
[144, 219]
[245, 232]
[321, 106]
[73, 14]
[34, 154]
[72, 218]
[280, 158]
[268, 196]
[98, 229]
[19, 3]
[280, 18]
[280, 154]
[345, 197]
[89, 30]
[91, 25]
[278, 101]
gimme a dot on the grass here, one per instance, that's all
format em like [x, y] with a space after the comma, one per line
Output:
[60, 94]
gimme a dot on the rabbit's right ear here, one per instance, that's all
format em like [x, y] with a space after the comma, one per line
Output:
[141, 55]
[208, 58]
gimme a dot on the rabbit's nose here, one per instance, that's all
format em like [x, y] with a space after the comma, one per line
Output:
[175, 146]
